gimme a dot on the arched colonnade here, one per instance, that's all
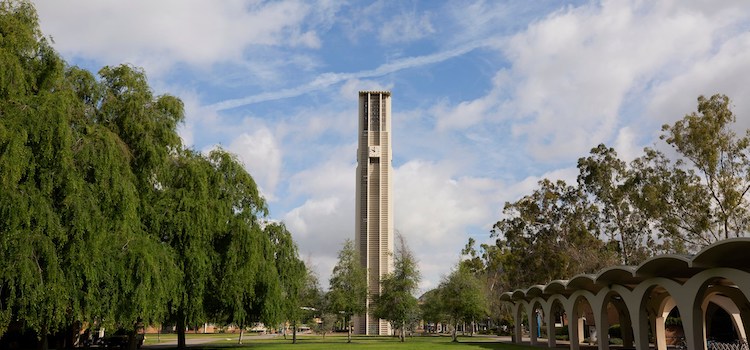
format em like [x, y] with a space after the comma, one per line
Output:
[641, 298]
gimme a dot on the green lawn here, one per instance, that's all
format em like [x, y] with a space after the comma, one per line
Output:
[308, 342]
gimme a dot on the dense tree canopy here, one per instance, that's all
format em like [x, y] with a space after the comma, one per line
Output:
[550, 234]
[105, 217]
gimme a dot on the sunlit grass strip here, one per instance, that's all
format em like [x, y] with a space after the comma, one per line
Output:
[308, 342]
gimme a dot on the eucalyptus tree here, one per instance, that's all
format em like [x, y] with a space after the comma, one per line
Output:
[706, 143]
[487, 263]
[348, 286]
[396, 302]
[613, 186]
[550, 234]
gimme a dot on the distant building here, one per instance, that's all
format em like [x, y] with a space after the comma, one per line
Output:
[374, 208]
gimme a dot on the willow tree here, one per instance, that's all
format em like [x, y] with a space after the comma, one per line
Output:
[292, 275]
[72, 244]
[244, 278]
[104, 217]
[186, 224]
[36, 160]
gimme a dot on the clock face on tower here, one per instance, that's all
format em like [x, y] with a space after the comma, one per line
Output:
[374, 151]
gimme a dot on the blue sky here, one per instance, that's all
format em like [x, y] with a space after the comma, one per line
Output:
[488, 96]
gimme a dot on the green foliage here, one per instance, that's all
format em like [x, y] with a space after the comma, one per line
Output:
[292, 276]
[551, 234]
[612, 186]
[106, 219]
[706, 140]
[462, 298]
[652, 205]
[328, 321]
[348, 285]
[396, 302]
[615, 331]
[673, 321]
[431, 306]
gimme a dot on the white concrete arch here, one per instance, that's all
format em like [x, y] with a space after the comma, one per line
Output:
[698, 287]
[632, 303]
[715, 297]
[531, 315]
[550, 316]
[645, 294]
[613, 296]
[575, 318]
[518, 321]
[655, 310]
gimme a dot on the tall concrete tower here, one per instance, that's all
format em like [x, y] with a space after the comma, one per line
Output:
[374, 208]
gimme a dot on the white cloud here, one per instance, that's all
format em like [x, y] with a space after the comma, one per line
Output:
[434, 208]
[626, 146]
[572, 73]
[158, 34]
[721, 71]
[469, 113]
[576, 68]
[325, 80]
[261, 155]
[324, 220]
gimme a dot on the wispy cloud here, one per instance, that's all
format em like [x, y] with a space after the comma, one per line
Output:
[327, 79]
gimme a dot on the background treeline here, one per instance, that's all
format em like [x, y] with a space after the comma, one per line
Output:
[107, 219]
[691, 193]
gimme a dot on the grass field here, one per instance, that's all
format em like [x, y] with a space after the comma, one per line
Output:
[308, 342]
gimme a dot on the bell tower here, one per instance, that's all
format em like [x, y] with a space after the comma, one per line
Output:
[374, 204]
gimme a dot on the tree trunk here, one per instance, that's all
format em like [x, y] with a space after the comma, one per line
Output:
[43, 341]
[403, 331]
[294, 333]
[242, 329]
[455, 332]
[181, 330]
[132, 340]
[348, 331]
